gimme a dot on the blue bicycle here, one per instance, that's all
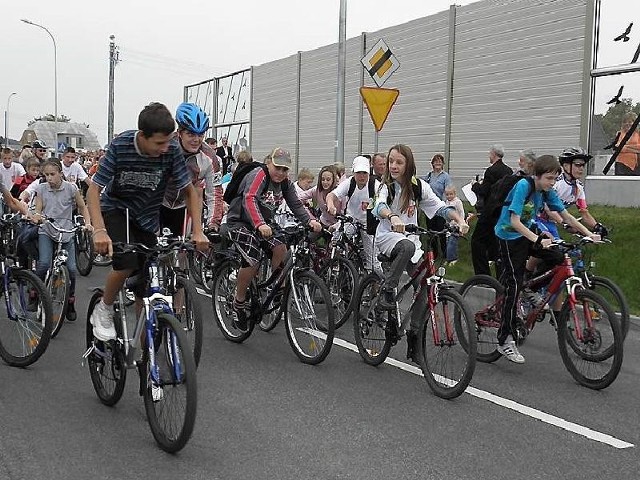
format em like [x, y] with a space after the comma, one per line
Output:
[158, 348]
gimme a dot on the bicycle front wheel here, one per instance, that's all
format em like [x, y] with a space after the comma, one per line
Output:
[447, 346]
[590, 340]
[26, 319]
[614, 296]
[106, 360]
[309, 317]
[188, 312]
[85, 253]
[483, 296]
[58, 286]
[374, 329]
[222, 295]
[169, 384]
[341, 278]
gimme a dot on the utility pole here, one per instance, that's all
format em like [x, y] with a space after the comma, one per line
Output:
[340, 101]
[113, 61]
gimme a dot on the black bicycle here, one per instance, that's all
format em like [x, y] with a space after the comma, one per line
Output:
[292, 291]
[26, 317]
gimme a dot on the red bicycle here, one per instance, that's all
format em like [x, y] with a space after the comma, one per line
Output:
[590, 338]
[446, 341]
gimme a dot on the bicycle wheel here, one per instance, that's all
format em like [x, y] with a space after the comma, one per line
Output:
[271, 317]
[223, 292]
[58, 287]
[614, 297]
[309, 317]
[26, 320]
[341, 278]
[483, 295]
[590, 340]
[189, 313]
[169, 384]
[447, 346]
[106, 360]
[373, 328]
[85, 253]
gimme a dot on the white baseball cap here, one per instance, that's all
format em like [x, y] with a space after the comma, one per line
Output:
[360, 164]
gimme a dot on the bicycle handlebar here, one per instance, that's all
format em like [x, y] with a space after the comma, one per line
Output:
[159, 248]
[416, 229]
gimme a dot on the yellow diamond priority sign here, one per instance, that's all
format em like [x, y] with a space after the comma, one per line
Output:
[380, 62]
[379, 102]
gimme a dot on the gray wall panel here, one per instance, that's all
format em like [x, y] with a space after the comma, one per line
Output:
[518, 79]
[273, 113]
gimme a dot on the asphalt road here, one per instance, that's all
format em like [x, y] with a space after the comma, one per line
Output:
[262, 414]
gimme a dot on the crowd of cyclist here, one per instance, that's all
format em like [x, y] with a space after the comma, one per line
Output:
[155, 177]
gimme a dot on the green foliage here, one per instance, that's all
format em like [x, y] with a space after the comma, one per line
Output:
[613, 118]
[618, 261]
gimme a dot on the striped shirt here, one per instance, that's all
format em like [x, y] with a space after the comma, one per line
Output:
[137, 182]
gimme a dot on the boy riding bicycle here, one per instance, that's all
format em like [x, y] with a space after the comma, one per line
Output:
[134, 175]
[517, 241]
[259, 196]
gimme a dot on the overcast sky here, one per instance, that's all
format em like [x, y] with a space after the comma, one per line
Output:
[165, 45]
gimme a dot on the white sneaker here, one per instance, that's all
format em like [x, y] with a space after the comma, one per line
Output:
[510, 350]
[102, 321]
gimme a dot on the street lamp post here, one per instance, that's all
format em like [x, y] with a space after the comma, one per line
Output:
[55, 78]
[6, 116]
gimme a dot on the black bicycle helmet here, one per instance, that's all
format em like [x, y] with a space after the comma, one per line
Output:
[570, 154]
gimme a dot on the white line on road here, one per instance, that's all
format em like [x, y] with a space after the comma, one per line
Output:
[503, 402]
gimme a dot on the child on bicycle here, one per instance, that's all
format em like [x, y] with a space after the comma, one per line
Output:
[132, 177]
[397, 203]
[56, 199]
[260, 194]
[359, 202]
[452, 200]
[517, 241]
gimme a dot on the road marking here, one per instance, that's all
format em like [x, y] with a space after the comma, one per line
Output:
[510, 404]
[500, 401]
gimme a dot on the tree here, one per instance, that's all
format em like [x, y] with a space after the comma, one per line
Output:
[50, 117]
[613, 118]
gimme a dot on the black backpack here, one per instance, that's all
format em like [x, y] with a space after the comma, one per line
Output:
[372, 222]
[498, 197]
[236, 179]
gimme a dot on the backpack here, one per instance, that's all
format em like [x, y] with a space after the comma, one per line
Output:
[498, 197]
[236, 179]
[417, 190]
[372, 222]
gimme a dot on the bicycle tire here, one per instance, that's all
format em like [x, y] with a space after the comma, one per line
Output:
[26, 319]
[222, 295]
[371, 326]
[85, 252]
[308, 316]
[613, 294]
[58, 285]
[106, 361]
[268, 320]
[177, 384]
[446, 346]
[481, 293]
[341, 278]
[190, 316]
[600, 351]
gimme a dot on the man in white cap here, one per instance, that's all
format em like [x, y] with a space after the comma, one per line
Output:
[358, 193]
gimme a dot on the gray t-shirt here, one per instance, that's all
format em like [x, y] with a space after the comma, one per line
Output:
[57, 204]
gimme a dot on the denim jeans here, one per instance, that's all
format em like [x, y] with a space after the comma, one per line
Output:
[46, 249]
[452, 247]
